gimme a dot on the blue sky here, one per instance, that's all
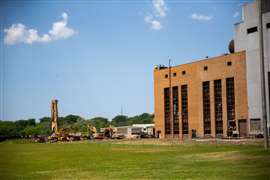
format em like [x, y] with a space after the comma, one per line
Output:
[101, 54]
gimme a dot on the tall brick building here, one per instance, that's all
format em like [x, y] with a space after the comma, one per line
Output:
[206, 95]
[221, 95]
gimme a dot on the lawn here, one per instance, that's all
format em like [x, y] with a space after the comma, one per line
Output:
[108, 160]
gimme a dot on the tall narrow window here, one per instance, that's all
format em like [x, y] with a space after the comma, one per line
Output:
[184, 103]
[167, 110]
[206, 107]
[218, 106]
[175, 110]
[230, 104]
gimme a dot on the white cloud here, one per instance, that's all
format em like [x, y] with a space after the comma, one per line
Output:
[60, 29]
[148, 18]
[236, 14]
[160, 7]
[19, 33]
[154, 18]
[156, 25]
[201, 17]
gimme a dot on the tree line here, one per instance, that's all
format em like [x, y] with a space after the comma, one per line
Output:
[70, 123]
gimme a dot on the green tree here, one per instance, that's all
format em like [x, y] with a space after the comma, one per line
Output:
[44, 128]
[120, 120]
[69, 119]
[8, 129]
[145, 118]
[99, 122]
[31, 131]
[22, 124]
[45, 119]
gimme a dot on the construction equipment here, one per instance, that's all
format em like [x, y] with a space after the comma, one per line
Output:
[109, 131]
[54, 121]
[91, 131]
[54, 113]
[106, 133]
[66, 134]
[57, 134]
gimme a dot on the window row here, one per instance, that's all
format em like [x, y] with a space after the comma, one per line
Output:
[205, 68]
[255, 28]
[230, 101]
[175, 110]
[172, 118]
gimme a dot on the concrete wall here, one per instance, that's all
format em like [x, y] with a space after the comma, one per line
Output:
[250, 43]
[266, 33]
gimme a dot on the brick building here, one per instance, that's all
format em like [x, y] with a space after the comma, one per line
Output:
[221, 95]
[205, 96]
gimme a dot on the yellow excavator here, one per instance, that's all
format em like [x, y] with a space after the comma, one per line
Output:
[91, 131]
[64, 134]
[109, 132]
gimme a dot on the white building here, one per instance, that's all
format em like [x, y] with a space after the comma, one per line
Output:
[246, 37]
[128, 131]
[148, 129]
[136, 130]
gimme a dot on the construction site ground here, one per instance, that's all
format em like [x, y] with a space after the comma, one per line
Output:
[136, 159]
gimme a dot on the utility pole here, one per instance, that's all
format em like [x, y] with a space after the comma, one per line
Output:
[171, 99]
[122, 117]
[261, 49]
[121, 109]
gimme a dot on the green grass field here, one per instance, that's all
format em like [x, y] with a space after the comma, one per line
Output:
[108, 160]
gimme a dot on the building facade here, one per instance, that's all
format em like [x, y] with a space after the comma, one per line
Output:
[218, 96]
[208, 96]
[246, 37]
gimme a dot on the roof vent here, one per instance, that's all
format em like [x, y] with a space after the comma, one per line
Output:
[160, 66]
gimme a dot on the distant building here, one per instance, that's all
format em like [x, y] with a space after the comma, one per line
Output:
[146, 129]
[128, 131]
[219, 96]
[136, 130]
